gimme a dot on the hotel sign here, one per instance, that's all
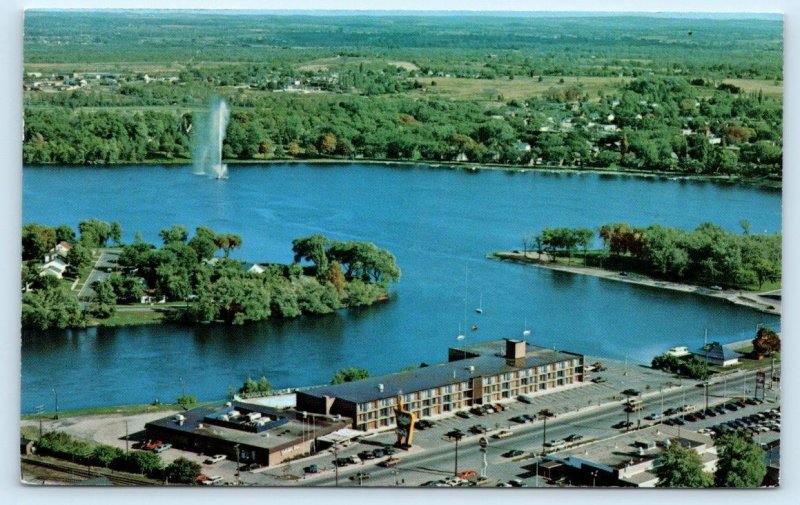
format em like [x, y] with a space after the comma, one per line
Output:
[405, 426]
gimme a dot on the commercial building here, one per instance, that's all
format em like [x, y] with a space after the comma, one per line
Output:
[477, 374]
[626, 460]
[258, 434]
[717, 354]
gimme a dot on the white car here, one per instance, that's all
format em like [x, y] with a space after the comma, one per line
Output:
[215, 459]
[503, 434]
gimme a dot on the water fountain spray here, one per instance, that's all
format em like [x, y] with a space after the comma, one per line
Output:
[209, 134]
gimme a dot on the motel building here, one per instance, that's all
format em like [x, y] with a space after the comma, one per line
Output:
[478, 374]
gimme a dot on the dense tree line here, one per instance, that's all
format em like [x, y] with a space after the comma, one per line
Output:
[663, 125]
[707, 255]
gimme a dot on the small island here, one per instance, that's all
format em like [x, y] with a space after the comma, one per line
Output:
[73, 281]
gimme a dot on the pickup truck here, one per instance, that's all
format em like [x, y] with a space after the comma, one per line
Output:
[503, 434]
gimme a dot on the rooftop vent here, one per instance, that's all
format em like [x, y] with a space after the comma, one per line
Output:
[380, 388]
[471, 368]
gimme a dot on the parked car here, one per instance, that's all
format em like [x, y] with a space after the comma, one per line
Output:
[476, 411]
[214, 459]
[498, 408]
[503, 434]
[516, 483]
[524, 399]
[622, 425]
[366, 455]
[389, 462]
[355, 460]
[378, 453]
[518, 419]
[513, 453]
[467, 474]
[463, 414]
[599, 380]
[529, 418]
[655, 416]
[488, 409]
[555, 444]
[478, 428]
[312, 468]
[573, 438]
[162, 448]
[671, 411]
[389, 450]
[214, 480]
[151, 445]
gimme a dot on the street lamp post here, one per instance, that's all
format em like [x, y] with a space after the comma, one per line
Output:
[126, 435]
[457, 436]
[706, 384]
[55, 393]
[545, 414]
[336, 462]
[236, 447]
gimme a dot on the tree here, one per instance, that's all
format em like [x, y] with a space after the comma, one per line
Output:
[349, 375]
[335, 277]
[766, 341]
[37, 240]
[182, 471]
[680, 467]
[115, 232]
[314, 249]
[105, 300]
[176, 233]
[204, 242]
[65, 233]
[143, 462]
[104, 455]
[228, 242]
[583, 237]
[741, 462]
[77, 258]
[186, 401]
[94, 233]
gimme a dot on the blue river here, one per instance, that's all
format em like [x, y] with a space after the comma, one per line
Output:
[440, 223]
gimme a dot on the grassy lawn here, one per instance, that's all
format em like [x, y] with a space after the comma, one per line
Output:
[125, 410]
[127, 318]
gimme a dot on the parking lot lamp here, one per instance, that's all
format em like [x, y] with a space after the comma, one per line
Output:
[236, 447]
[336, 463]
[55, 393]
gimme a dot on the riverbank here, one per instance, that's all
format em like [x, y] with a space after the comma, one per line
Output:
[473, 167]
[748, 299]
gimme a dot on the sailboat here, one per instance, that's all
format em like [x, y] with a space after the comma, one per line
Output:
[479, 309]
[525, 331]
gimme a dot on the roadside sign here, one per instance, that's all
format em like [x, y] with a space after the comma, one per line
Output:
[483, 442]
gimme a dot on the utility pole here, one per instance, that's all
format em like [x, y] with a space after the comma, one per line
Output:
[126, 435]
[661, 393]
[706, 388]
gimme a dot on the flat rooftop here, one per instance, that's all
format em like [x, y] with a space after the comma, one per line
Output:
[620, 451]
[488, 358]
[195, 423]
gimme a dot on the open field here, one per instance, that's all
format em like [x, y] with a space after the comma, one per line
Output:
[771, 88]
[517, 88]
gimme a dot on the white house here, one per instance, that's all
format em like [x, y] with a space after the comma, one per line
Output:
[54, 267]
[60, 250]
[253, 268]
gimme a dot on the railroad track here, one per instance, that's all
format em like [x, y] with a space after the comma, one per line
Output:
[90, 472]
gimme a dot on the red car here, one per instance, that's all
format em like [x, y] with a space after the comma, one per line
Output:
[467, 474]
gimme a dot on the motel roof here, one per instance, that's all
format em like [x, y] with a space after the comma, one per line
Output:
[487, 359]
